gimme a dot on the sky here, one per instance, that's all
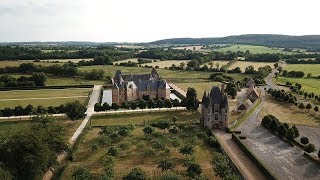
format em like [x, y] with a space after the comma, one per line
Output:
[150, 20]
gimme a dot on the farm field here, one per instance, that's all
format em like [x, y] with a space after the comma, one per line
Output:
[252, 49]
[289, 114]
[44, 97]
[9, 127]
[308, 84]
[66, 60]
[173, 75]
[314, 69]
[138, 150]
[216, 62]
[167, 63]
[197, 47]
[17, 63]
[244, 64]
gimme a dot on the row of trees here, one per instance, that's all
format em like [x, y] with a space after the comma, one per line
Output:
[297, 89]
[298, 74]
[74, 110]
[36, 79]
[303, 61]
[141, 103]
[283, 129]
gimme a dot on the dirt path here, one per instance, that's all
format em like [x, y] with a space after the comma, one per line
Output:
[247, 168]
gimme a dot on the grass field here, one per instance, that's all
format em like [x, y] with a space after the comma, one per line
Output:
[217, 62]
[308, 84]
[289, 114]
[10, 127]
[138, 144]
[244, 64]
[252, 49]
[167, 63]
[314, 69]
[199, 87]
[45, 97]
[173, 75]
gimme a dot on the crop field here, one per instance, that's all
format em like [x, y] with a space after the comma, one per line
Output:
[138, 150]
[44, 97]
[17, 63]
[252, 49]
[289, 114]
[244, 64]
[173, 75]
[10, 127]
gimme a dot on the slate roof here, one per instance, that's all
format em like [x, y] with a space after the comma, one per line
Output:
[215, 97]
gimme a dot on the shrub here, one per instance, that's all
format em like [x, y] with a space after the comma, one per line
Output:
[148, 152]
[282, 130]
[310, 148]
[148, 130]
[81, 173]
[166, 165]
[296, 131]
[194, 170]
[213, 142]
[266, 121]
[113, 151]
[304, 140]
[135, 174]
[290, 134]
[187, 150]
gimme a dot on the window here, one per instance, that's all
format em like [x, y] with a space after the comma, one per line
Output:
[216, 117]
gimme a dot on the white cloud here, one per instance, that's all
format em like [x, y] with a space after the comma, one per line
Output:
[146, 20]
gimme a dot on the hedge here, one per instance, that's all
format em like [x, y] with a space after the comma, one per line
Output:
[258, 163]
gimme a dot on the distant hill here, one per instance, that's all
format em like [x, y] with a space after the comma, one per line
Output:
[285, 41]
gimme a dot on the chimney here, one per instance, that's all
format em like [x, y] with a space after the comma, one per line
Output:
[223, 88]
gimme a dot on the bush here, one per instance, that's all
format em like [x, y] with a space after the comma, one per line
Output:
[194, 170]
[290, 134]
[135, 174]
[304, 140]
[169, 176]
[310, 148]
[213, 142]
[113, 151]
[81, 173]
[266, 121]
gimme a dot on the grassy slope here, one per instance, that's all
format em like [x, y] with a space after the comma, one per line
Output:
[43, 93]
[252, 49]
[314, 69]
[133, 156]
[290, 114]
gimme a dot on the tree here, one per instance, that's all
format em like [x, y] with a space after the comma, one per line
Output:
[168, 103]
[97, 107]
[305, 95]
[166, 165]
[18, 111]
[151, 104]
[115, 106]
[191, 102]
[75, 110]
[186, 150]
[266, 121]
[39, 79]
[7, 112]
[310, 148]
[160, 103]
[282, 130]
[301, 106]
[81, 173]
[148, 130]
[5, 174]
[133, 105]
[319, 154]
[106, 106]
[276, 65]
[309, 106]
[290, 134]
[316, 109]
[194, 170]
[304, 140]
[175, 103]
[125, 105]
[26, 154]
[142, 104]
[164, 124]
[113, 151]
[135, 174]
[296, 131]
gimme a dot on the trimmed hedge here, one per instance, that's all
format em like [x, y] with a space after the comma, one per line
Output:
[258, 163]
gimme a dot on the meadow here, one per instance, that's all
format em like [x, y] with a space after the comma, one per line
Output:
[314, 69]
[252, 49]
[17, 63]
[244, 64]
[44, 97]
[289, 114]
[308, 84]
[138, 150]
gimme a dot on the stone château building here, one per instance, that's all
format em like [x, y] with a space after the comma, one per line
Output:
[215, 109]
[132, 87]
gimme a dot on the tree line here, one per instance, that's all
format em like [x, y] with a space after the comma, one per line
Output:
[37, 79]
[303, 61]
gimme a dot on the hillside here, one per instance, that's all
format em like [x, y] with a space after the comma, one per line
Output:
[307, 42]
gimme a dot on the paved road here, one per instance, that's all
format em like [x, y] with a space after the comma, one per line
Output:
[246, 167]
[285, 161]
[94, 98]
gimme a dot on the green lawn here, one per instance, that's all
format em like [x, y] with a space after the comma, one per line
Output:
[141, 118]
[140, 150]
[55, 97]
[252, 49]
